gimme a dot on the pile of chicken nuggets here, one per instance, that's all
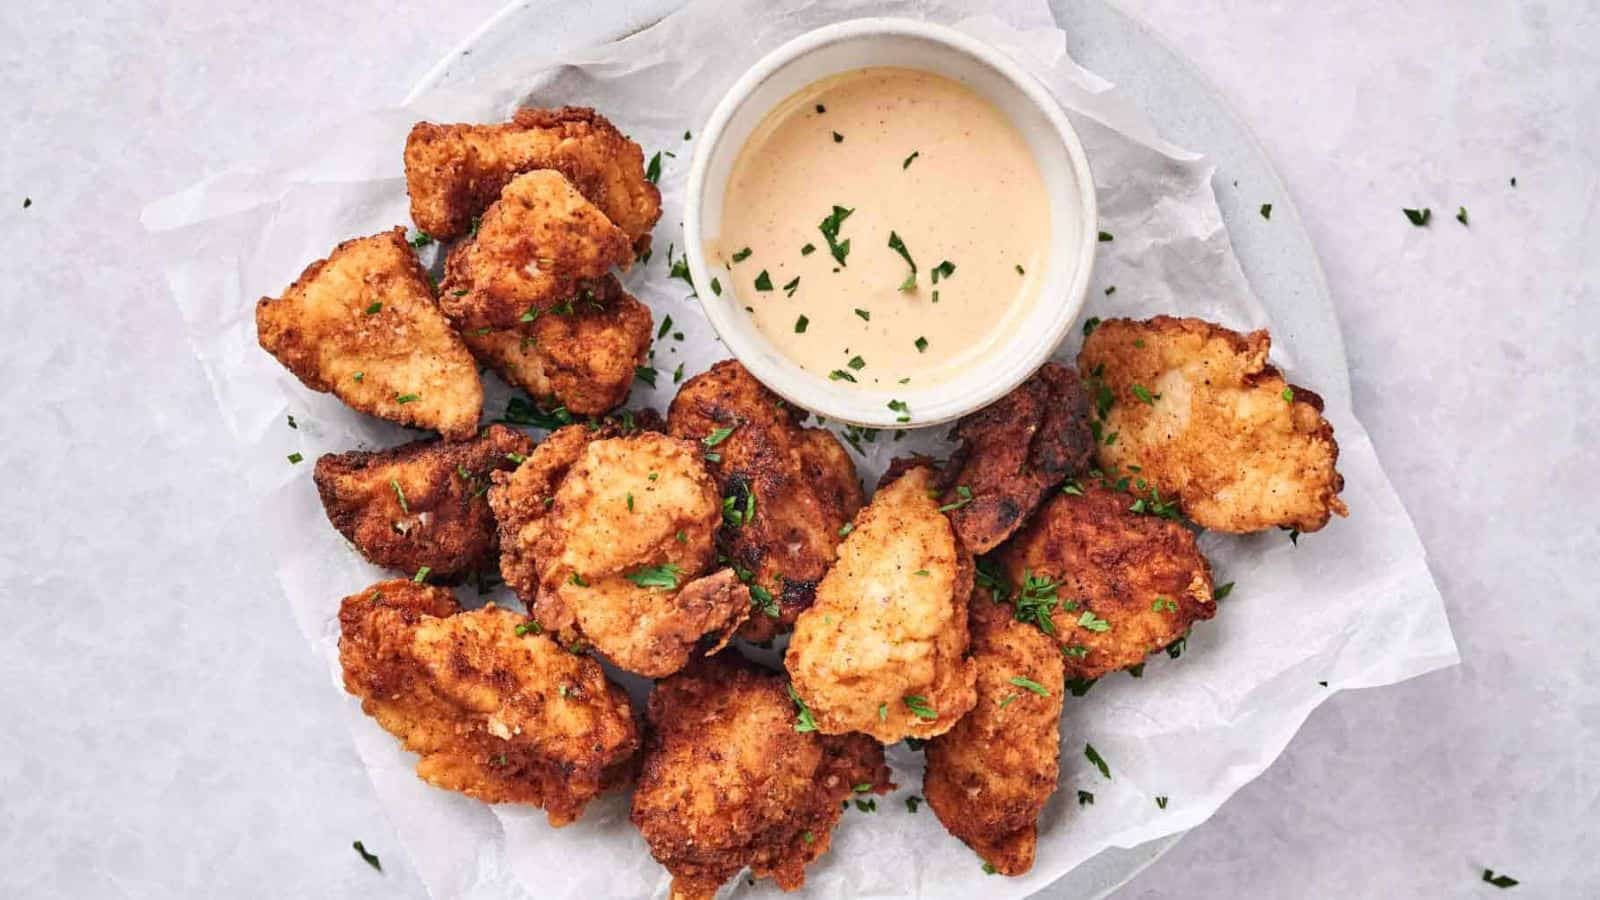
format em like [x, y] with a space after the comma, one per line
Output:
[953, 606]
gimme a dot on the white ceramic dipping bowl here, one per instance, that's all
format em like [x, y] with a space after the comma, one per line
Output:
[856, 44]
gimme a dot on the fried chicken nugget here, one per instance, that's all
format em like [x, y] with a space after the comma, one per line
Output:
[1203, 416]
[453, 172]
[537, 251]
[798, 484]
[1111, 585]
[882, 650]
[422, 504]
[729, 782]
[607, 539]
[989, 776]
[363, 325]
[496, 710]
[1014, 451]
[583, 360]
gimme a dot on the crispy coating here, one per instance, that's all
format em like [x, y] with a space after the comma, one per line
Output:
[882, 650]
[803, 481]
[1124, 584]
[1216, 429]
[607, 539]
[1014, 451]
[988, 777]
[537, 251]
[728, 782]
[498, 716]
[422, 503]
[584, 360]
[453, 172]
[363, 325]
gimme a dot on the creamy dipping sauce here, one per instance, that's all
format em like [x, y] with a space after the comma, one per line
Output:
[911, 155]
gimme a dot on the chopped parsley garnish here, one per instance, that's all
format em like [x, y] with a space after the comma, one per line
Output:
[716, 286]
[530, 315]
[1164, 604]
[718, 436]
[942, 270]
[800, 325]
[808, 837]
[963, 495]
[922, 344]
[291, 422]
[907, 163]
[663, 577]
[358, 376]
[1500, 881]
[374, 309]
[740, 256]
[1144, 395]
[919, 707]
[1266, 210]
[527, 628]
[792, 286]
[761, 598]
[1111, 290]
[422, 239]
[1106, 236]
[630, 501]
[921, 573]
[1031, 685]
[1090, 324]
[1076, 651]
[838, 138]
[1089, 621]
[866, 316]
[912, 802]
[841, 375]
[1005, 701]
[803, 721]
[1222, 591]
[645, 374]
[901, 407]
[666, 326]
[1093, 756]
[1461, 215]
[989, 869]
[857, 363]
[1161, 801]
[1175, 649]
[808, 249]
[1288, 395]
[404, 507]
[371, 859]
[1085, 798]
[28, 201]
[677, 374]
[1021, 270]
[1037, 600]
[295, 457]
[846, 528]
[422, 575]
[821, 109]
[763, 281]
[403, 399]
[883, 712]
[830, 233]
[521, 412]
[867, 805]
[1418, 217]
[578, 580]
[652, 172]
[899, 246]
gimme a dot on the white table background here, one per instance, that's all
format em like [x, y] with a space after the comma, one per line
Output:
[1474, 354]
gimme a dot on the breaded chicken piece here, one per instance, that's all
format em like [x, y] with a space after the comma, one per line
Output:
[1200, 413]
[453, 172]
[363, 325]
[537, 251]
[988, 777]
[584, 359]
[606, 539]
[1013, 452]
[1109, 584]
[882, 650]
[729, 781]
[422, 504]
[496, 710]
[803, 484]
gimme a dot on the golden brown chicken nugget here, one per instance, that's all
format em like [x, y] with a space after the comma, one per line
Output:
[790, 489]
[1197, 411]
[583, 359]
[422, 504]
[538, 250]
[988, 777]
[453, 172]
[883, 649]
[1111, 585]
[495, 710]
[729, 781]
[363, 325]
[1013, 452]
[609, 541]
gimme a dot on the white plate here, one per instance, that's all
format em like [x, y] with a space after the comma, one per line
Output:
[1278, 258]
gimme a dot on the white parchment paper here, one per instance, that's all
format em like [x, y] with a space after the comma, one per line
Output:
[1351, 606]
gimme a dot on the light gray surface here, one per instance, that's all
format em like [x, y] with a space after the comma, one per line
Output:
[1472, 354]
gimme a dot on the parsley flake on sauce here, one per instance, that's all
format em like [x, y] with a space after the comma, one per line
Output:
[1093, 756]
[907, 163]
[864, 315]
[800, 325]
[1418, 217]
[899, 246]
[370, 859]
[1266, 210]
[792, 286]
[830, 233]
[741, 255]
